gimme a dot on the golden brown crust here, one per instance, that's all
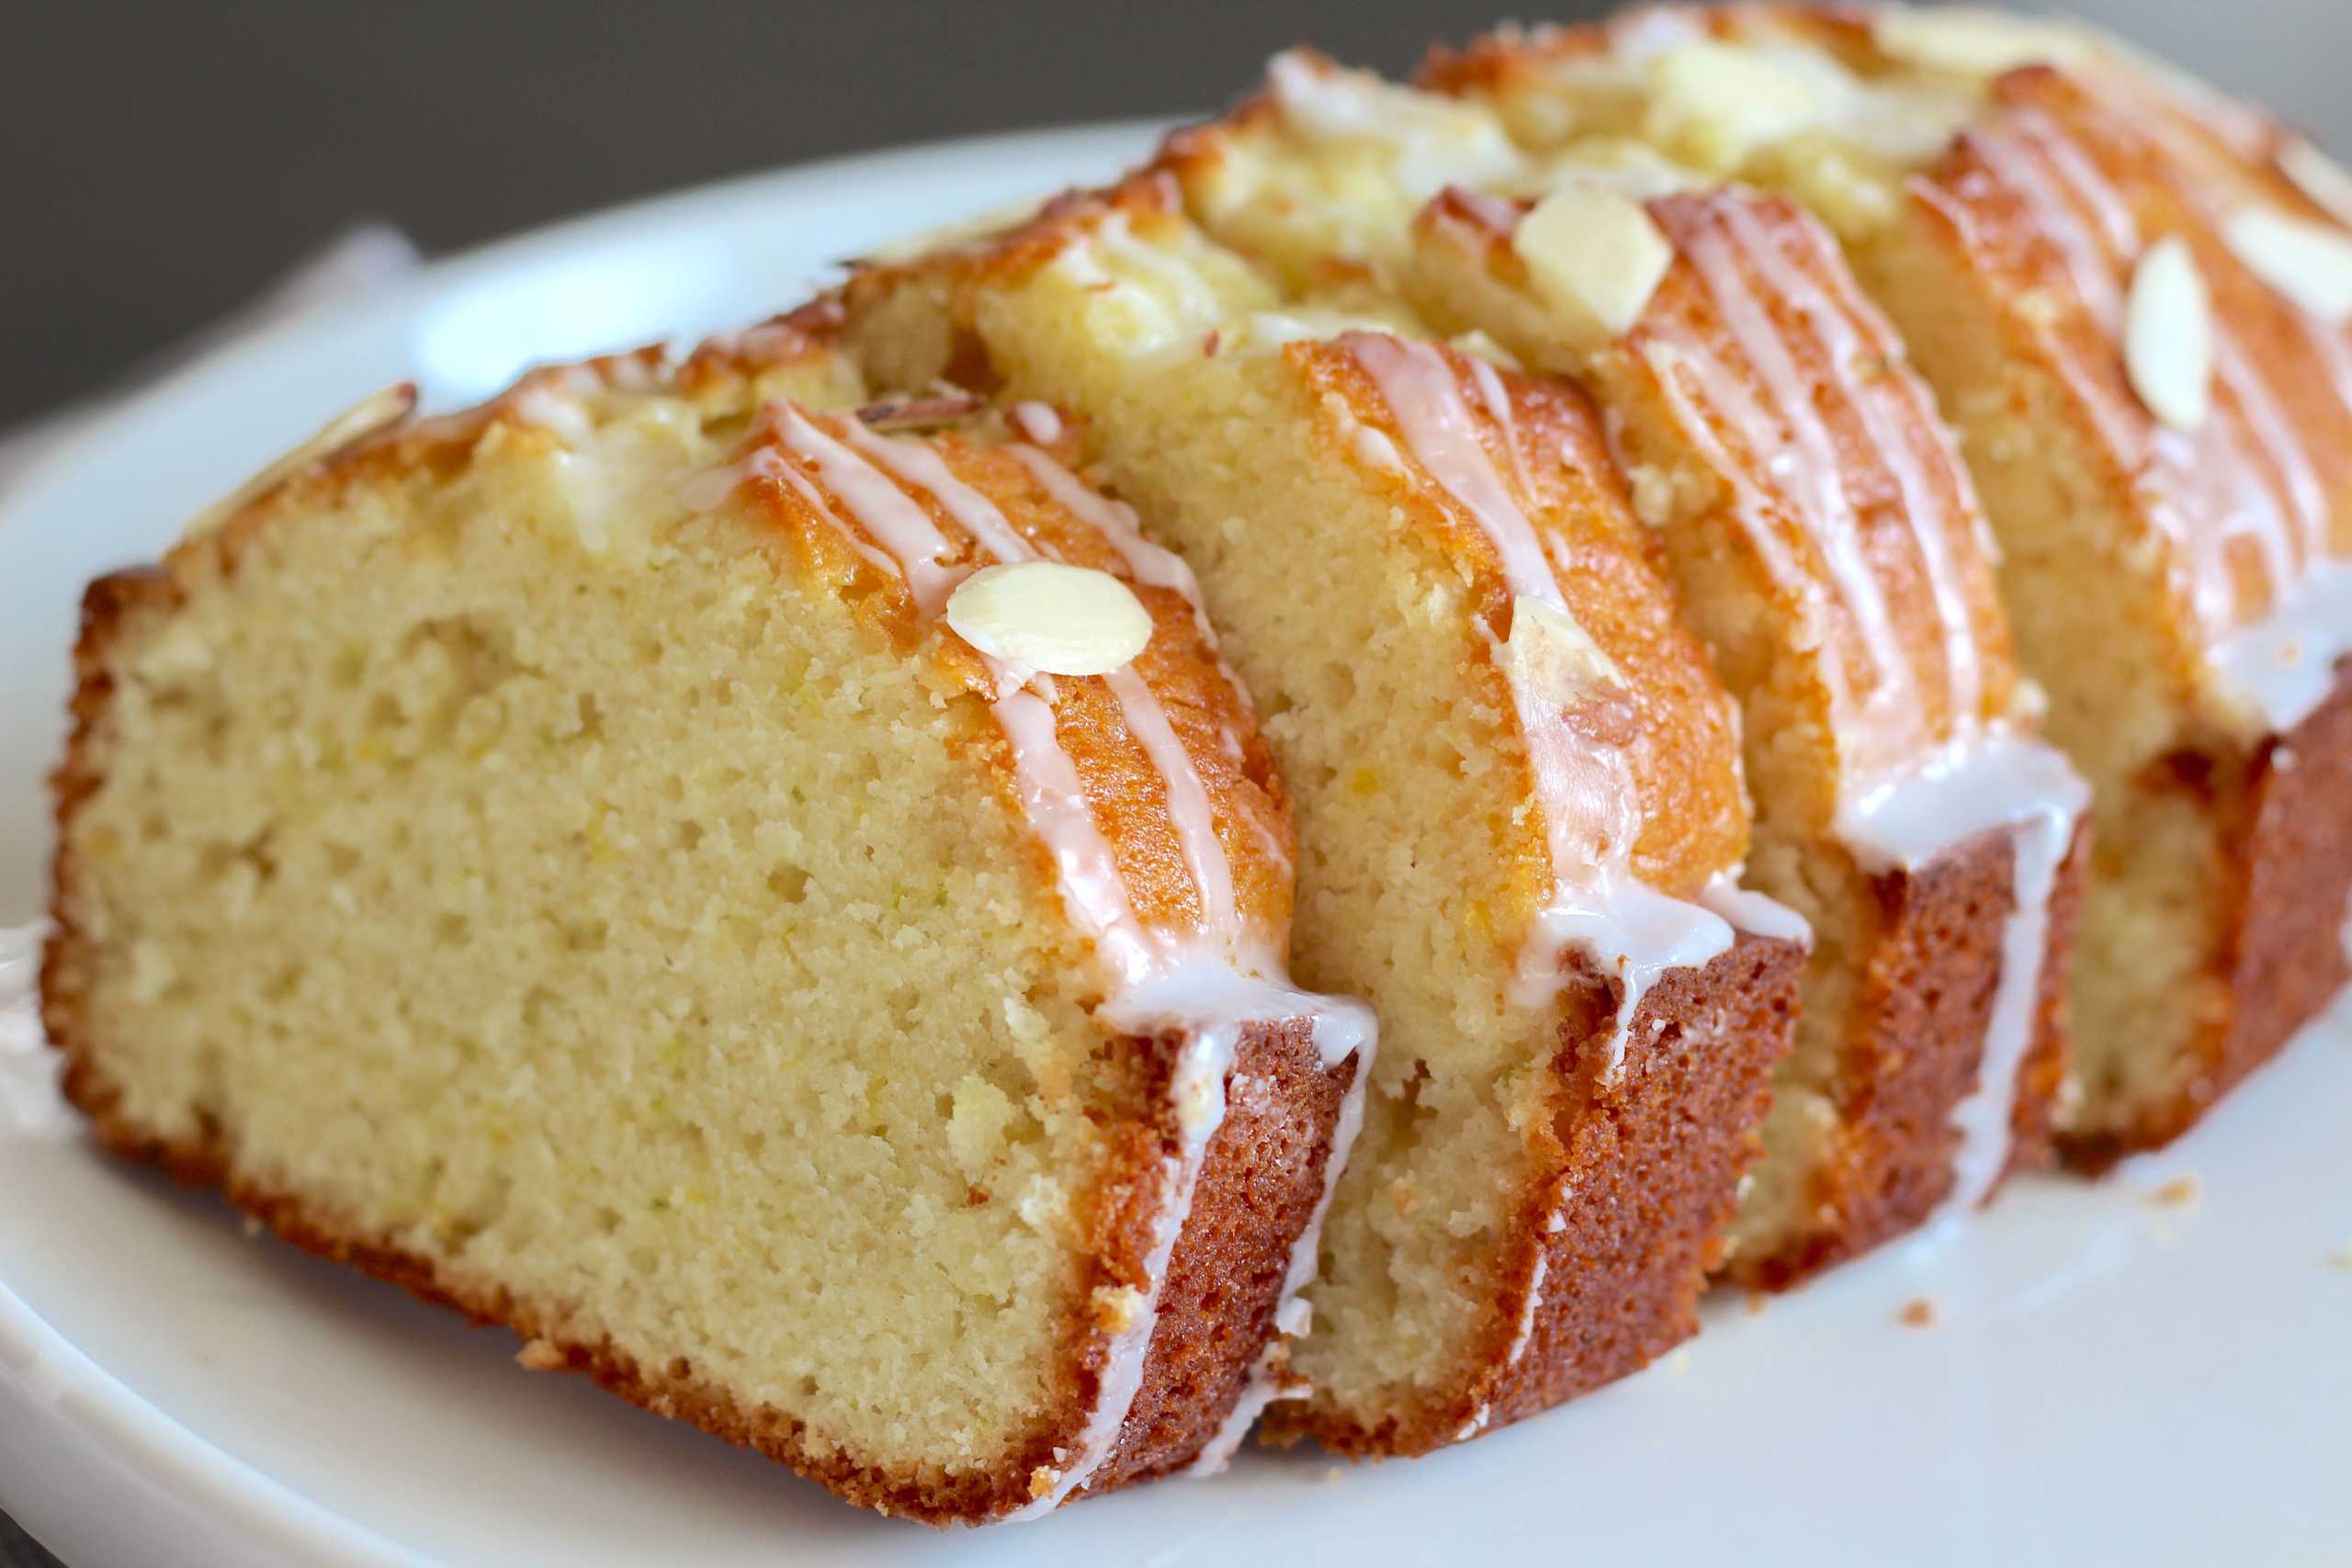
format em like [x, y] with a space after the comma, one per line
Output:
[1224, 1277]
[1973, 204]
[1649, 1163]
[1261, 1176]
[1928, 952]
[1209, 715]
[2287, 856]
[1679, 740]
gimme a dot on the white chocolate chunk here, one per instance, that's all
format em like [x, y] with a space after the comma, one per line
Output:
[2169, 335]
[1555, 658]
[1971, 42]
[1062, 620]
[2319, 176]
[360, 421]
[1594, 255]
[2311, 264]
[1712, 104]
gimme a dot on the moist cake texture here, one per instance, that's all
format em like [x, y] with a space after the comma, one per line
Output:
[2130, 295]
[559, 857]
[1517, 785]
[1792, 564]
[1826, 542]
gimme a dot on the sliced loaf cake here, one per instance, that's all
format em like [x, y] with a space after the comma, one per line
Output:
[1826, 544]
[770, 895]
[2133, 298]
[1517, 785]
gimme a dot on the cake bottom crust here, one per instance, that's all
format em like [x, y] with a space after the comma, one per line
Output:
[2287, 848]
[1914, 1046]
[1260, 1179]
[1616, 1240]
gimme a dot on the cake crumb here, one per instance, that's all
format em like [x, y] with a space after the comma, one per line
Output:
[1918, 1312]
[540, 1356]
[253, 1227]
[2341, 1258]
[1677, 1363]
[1757, 1301]
[1334, 1475]
[2180, 1192]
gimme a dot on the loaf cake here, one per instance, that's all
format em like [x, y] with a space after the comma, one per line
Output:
[1826, 543]
[2130, 295]
[762, 887]
[1517, 785]
[1792, 562]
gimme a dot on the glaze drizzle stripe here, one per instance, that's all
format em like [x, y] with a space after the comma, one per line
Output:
[1925, 799]
[1585, 793]
[1869, 373]
[2249, 473]
[2277, 515]
[1809, 483]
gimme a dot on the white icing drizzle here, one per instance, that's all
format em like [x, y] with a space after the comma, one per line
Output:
[2248, 474]
[30, 1102]
[1208, 984]
[1913, 797]
[1150, 565]
[1525, 1330]
[1585, 793]
[2283, 666]
[1986, 782]
[1892, 406]
[1876, 701]
[903, 529]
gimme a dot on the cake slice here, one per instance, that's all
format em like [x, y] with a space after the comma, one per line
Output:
[2130, 296]
[765, 890]
[1517, 785]
[1827, 544]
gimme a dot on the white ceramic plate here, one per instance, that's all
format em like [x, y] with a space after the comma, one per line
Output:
[2110, 1379]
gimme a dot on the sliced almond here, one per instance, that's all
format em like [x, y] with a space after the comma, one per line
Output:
[1594, 255]
[2319, 176]
[1045, 616]
[2169, 335]
[2311, 264]
[355, 424]
[1971, 42]
[1712, 104]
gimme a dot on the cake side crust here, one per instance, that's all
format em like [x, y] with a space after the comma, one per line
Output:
[1916, 1037]
[1266, 1160]
[1613, 1287]
[2288, 850]
[1259, 1181]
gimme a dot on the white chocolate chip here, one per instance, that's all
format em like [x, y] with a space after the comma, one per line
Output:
[1712, 104]
[1045, 616]
[1594, 255]
[1971, 43]
[2319, 176]
[2311, 264]
[363, 418]
[2169, 335]
[1554, 657]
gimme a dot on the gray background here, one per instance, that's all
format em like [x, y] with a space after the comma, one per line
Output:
[159, 163]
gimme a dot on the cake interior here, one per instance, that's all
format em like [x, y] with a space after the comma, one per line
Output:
[744, 1052]
[2120, 664]
[1418, 863]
